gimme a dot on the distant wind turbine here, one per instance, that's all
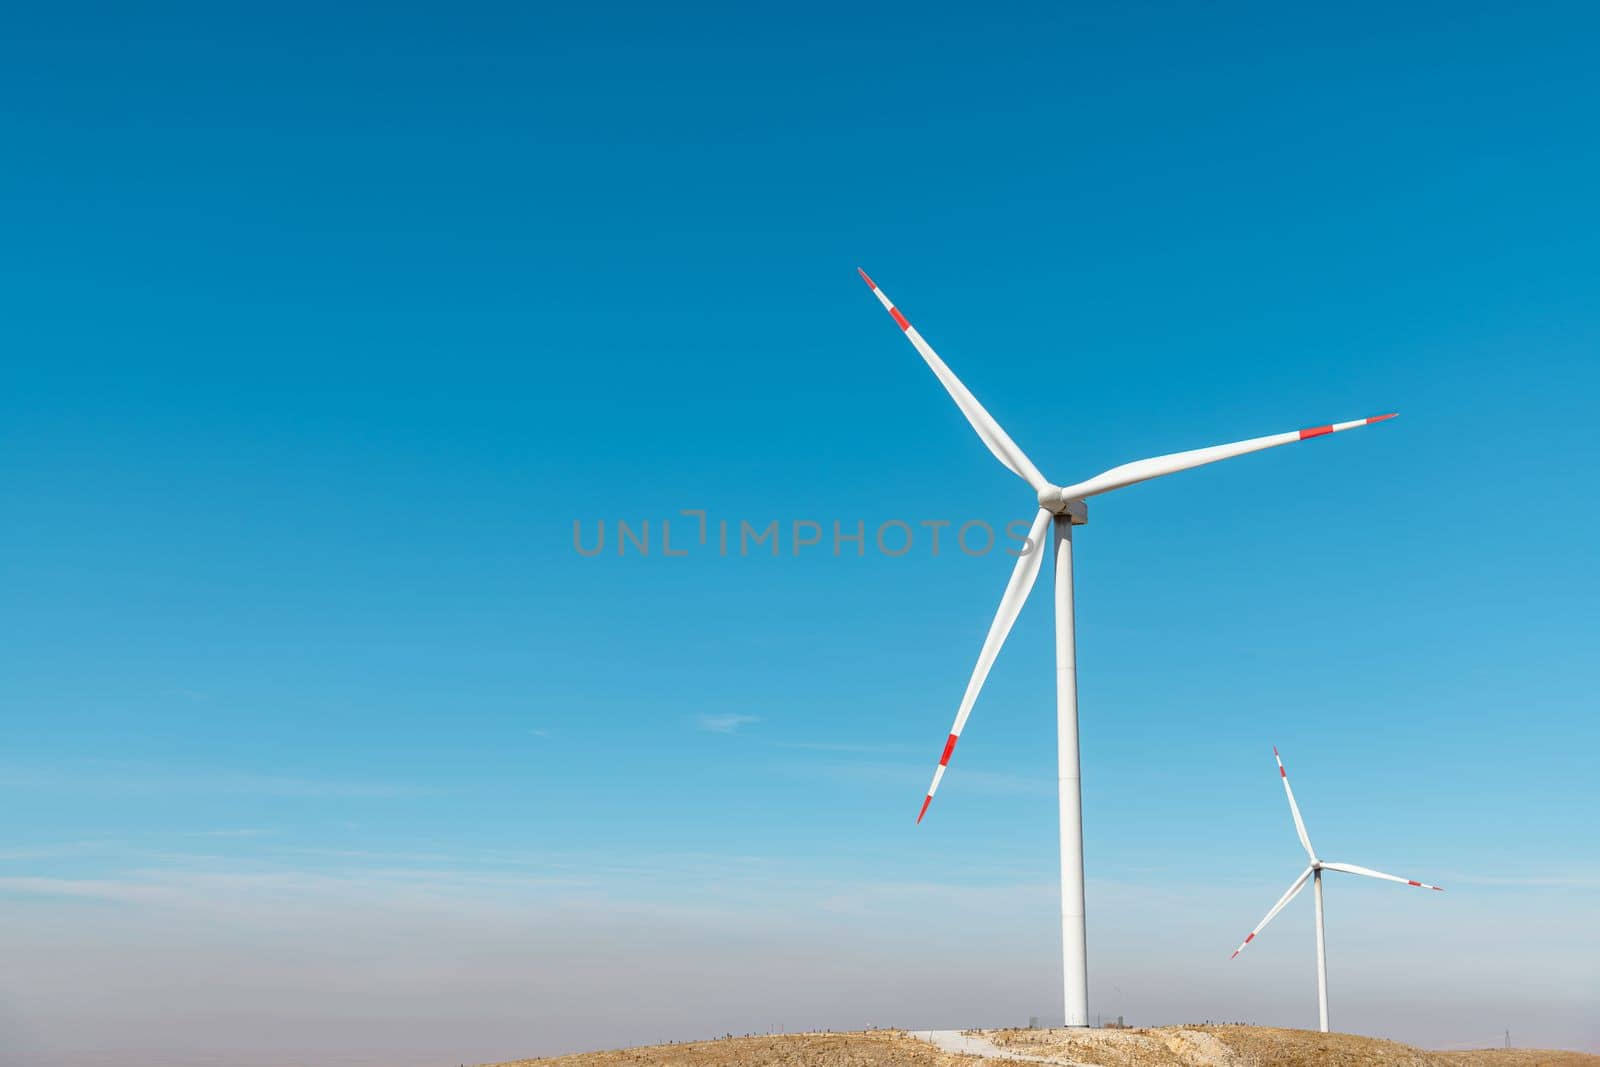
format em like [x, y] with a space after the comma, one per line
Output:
[1061, 508]
[1314, 872]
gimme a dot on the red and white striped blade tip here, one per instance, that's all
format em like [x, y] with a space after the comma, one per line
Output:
[1334, 427]
[944, 761]
[867, 278]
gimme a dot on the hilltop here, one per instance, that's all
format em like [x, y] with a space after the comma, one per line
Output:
[1167, 1046]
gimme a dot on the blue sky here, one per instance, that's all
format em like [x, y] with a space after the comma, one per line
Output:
[323, 328]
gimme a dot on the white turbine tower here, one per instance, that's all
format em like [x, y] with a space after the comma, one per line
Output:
[1314, 872]
[1063, 508]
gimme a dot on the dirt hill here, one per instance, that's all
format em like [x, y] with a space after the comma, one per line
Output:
[1257, 1046]
[1168, 1046]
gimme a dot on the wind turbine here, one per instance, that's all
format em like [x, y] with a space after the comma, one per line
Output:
[1061, 508]
[1314, 872]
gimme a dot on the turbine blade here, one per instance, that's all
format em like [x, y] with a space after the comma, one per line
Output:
[1145, 469]
[1294, 809]
[1023, 576]
[1299, 884]
[1350, 868]
[1003, 447]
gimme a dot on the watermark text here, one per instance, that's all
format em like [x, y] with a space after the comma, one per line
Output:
[693, 532]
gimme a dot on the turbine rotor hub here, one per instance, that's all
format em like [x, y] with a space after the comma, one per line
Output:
[1075, 510]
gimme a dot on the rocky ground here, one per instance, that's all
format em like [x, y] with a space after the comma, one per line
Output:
[1166, 1046]
[1255, 1046]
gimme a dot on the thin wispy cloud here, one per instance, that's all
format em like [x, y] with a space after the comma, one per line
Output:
[119, 777]
[274, 785]
[217, 890]
[997, 783]
[63, 848]
[724, 723]
[1553, 881]
[92, 888]
[864, 749]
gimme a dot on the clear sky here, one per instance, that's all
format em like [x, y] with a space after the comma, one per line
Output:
[322, 327]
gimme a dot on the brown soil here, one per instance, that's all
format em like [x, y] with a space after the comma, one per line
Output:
[1167, 1046]
[1258, 1046]
[877, 1048]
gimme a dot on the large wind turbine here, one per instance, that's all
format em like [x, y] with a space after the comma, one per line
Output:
[1061, 508]
[1314, 872]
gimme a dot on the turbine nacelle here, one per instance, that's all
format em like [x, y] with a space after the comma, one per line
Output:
[1054, 500]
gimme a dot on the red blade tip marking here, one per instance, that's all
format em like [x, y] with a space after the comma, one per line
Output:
[1235, 955]
[1417, 884]
[1380, 418]
[949, 747]
[867, 278]
[1249, 939]
[1281, 772]
[1438, 888]
[901, 319]
[924, 810]
[1315, 431]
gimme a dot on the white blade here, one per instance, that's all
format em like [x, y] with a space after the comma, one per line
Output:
[1023, 575]
[1294, 809]
[1145, 469]
[1004, 449]
[1299, 884]
[1350, 868]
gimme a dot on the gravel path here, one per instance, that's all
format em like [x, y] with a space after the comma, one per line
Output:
[970, 1045]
